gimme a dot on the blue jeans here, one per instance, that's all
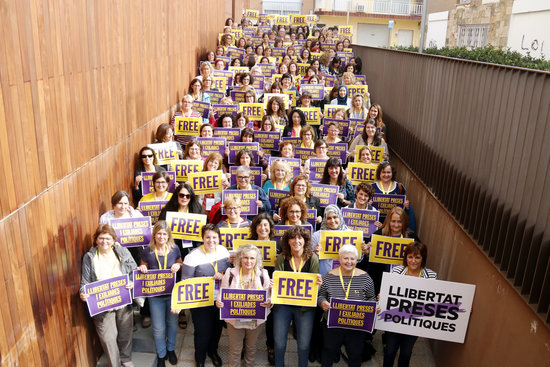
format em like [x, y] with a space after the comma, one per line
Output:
[403, 343]
[303, 321]
[165, 324]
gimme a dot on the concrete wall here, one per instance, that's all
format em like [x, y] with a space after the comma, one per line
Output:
[437, 29]
[529, 30]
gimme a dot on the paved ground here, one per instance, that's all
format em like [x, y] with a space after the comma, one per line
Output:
[144, 350]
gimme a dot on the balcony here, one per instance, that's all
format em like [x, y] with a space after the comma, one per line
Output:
[389, 7]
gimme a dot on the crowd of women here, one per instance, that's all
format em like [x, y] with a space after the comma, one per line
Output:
[330, 63]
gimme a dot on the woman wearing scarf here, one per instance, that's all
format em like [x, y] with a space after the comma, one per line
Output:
[342, 98]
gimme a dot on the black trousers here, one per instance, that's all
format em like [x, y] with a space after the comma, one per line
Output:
[208, 329]
[334, 338]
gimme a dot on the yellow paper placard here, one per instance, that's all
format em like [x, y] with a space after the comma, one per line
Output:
[187, 125]
[282, 20]
[291, 96]
[331, 241]
[218, 82]
[193, 293]
[165, 152]
[312, 18]
[183, 167]
[313, 115]
[228, 235]
[297, 289]
[276, 78]
[208, 182]
[358, 89]
[330, 110]
[377, 153]
[361, 172]
[388, 250]
[186, 226]
[239, 69]
[268, 249]
[254, 111]
[298, 19]
[252, 14]
[345, 31]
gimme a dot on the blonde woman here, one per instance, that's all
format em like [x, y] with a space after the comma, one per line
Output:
[232, 208]
[281, 175]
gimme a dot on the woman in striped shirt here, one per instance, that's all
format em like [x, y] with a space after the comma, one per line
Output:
[346, 282]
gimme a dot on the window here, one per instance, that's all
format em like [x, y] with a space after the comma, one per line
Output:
[282, 7]
[472, 36]
[463, 1]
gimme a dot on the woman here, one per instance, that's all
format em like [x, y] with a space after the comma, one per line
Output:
[268, 51]
[242, 120]
[259, 50]
[375, 112]
[307, 136]
[333, 132]
[247, 80]
[300, 188]
[243, 183]
[210, 57]
[282, 69]
[192, 151]
[335, 66]
[162, 254]
[281, 174]
[108, 259]
[348, 78]
[227, 40]
[220, 51]
[344, 282]
[342, 97]
[214, 162]
[293, 212]
[249, 97]
[293, 69]
[305, 56]
[297, 120]
[195, 91]
[232, 208]
[286, 148]
[365, 155]
[320, 149]
[262, 229]
[206, 131]
[276, 109]
[267, 124]
[339, 46]
[370, 137]
[165, 134]
[207, 70]
[296, 256]
[244, 157]
[235, 62]
[414, 265]
[247, 274]
[147, 164]
[226, 121]
[363, 195]
[209, 260]
[161, 181]
[358, 109]
[120, 202]
[241, 43]
[219, 64]
[334, 175]
[186, 111]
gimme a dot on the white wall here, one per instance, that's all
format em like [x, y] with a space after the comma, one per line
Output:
[529, 28]
[437, 29]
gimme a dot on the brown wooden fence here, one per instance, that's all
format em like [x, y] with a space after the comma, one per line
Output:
[83, 85]
[477, 135]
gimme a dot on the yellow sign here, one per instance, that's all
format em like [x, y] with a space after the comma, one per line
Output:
[165, 152]
[358, 89]
[239, 69]
[193, 293]
[388, 250]
[187, 125]
[186, 226]
[312, 18]
[331, 241]
[361, 172]
[330, 110]
[183, 167]
[345, 31]
[297, 289]
[313, 115]
[282, 20]
[208, 182]
[218, 82]
[228, 235]
[298, 19]
[254, 111]
[268, 249]
[291, 96]
[252, 14]
[276, 78]
[377, 153]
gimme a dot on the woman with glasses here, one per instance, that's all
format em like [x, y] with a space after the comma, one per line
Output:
[161, 182]
[333, 132]
[370, 137]
[244, 183]
[281, 174]
[186, 111]
[307, 136]
[120, 202]
[196, 91]
[293, 212]
[147, 161]
[320, 148]
[232, 208]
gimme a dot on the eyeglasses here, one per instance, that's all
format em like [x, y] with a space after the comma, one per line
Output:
[302, 186]
[232, 209]
[184, 196]
[295, 212]
[161, 183]
[243, 177]
[147, 156]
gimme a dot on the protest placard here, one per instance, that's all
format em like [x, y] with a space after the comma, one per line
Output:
[207, 182]
[331, 241]
[388, 250]
[297, 289]
[104, 295]
[186, 226]
[248, 200]
[327, 194]
[361, 220]
[243, 304]
[268, 249]
[164, 152]
[351, 314]
[132, 232]
[152, 209]
[193, 293]
[153, 283]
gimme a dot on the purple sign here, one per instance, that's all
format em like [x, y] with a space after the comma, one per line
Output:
[215, 96]
[235, 147]
[361, 79]
[153, 283]
[343, 126]
[220, 109]
[275, 197]
[327, 194]
[152, 209]
[296, 140]
[229, 133]
[330, 80]
[228, 75]
[358, 130]
[238, 97]
[248, 200]
[202, 107]
[338, 150]
[268, 69]
[104, 295]
[294, 163]
[350, 314]
[384, 203]
[243, 304]
[361, 220]
[304, 153]
[235, 53]
[268, 140]
[147, 182]
[259, 82]
[316, 169]
[255, 175]
[312, 217]
[212, 145]
[132, 232]
[317, 90]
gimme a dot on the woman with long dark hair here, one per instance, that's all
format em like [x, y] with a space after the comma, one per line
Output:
[334, 175]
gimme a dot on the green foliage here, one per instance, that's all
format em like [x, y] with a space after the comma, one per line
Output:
[489, 54]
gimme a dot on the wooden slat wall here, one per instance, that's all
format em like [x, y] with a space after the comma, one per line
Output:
[83, 85]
